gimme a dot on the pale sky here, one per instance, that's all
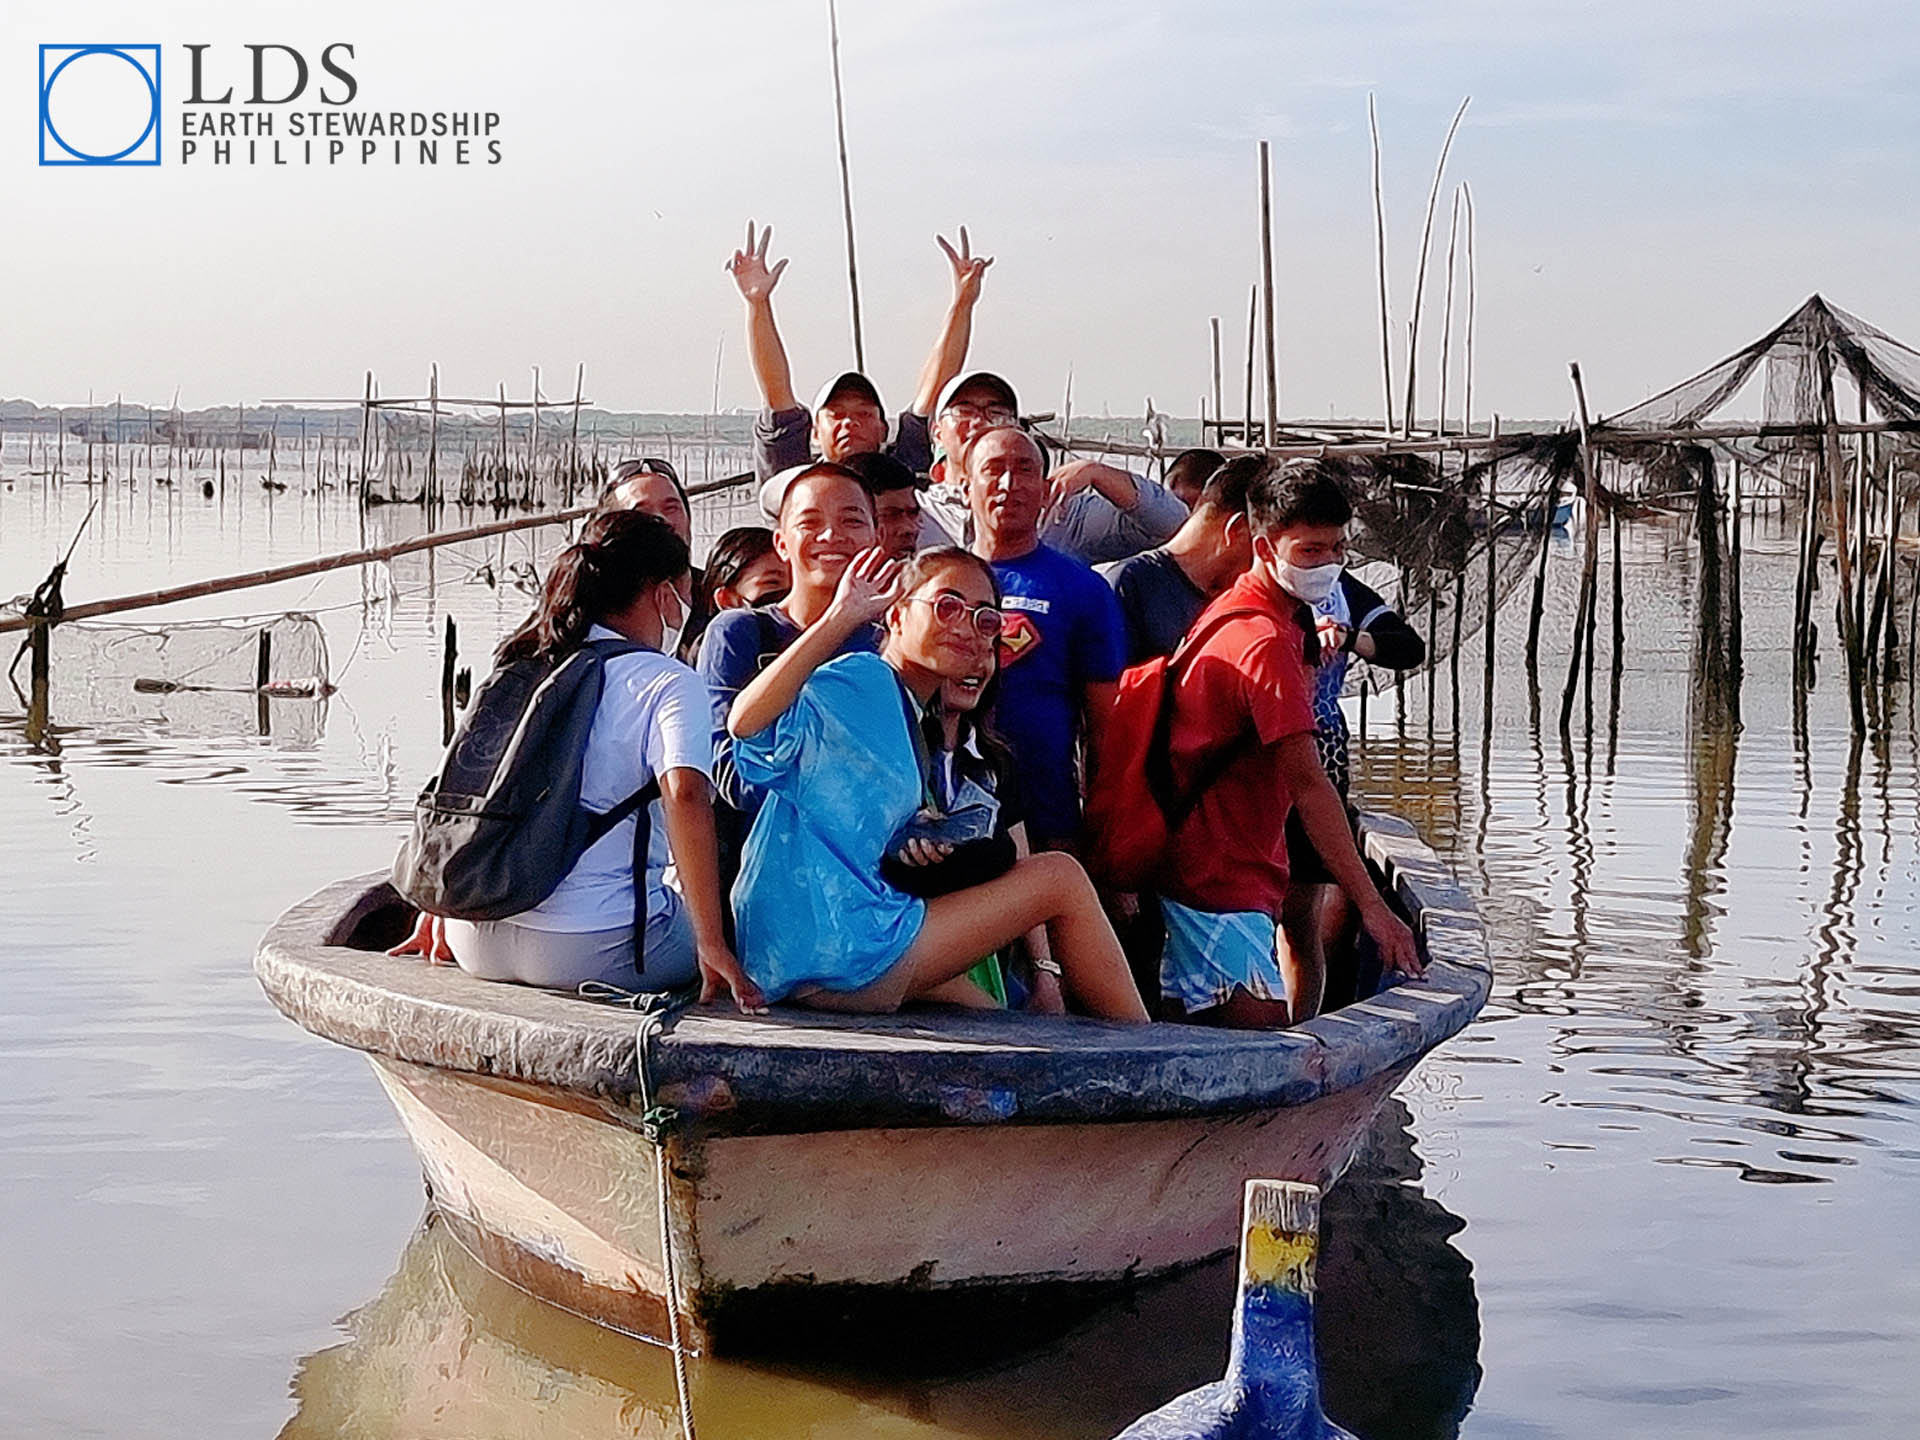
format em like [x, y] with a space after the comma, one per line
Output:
[1656, 183]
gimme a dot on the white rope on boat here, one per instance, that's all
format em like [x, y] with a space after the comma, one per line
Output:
[656, 1120]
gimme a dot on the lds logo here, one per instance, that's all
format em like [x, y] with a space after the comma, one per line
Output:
[99, 104]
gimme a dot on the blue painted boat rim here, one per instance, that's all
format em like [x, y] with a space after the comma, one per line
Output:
[798, 1071]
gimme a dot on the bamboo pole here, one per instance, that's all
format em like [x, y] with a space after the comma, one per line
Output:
[846, 185]
[1583, 624]
[366, 434]
[1420, 273]
[1736, 618]
[433, 437]
[1380, 266]
[1253, 301]
[1446, 323]
[297, 570]
[1834, 466]
[1493, 598]
[1213, 325]
[1266, 291]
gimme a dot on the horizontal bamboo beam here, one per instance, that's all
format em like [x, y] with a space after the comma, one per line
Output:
[1601, 435]
[390, 402]
[319, 565]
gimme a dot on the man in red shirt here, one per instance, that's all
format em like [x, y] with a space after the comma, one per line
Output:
[1245, 691]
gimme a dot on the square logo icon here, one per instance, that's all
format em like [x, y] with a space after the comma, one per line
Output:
[99, 104]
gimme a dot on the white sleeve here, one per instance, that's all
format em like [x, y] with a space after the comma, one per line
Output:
[680, 732]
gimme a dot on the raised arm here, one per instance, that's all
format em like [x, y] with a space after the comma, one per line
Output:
[865, 592]
[755, 282]
[949, 351]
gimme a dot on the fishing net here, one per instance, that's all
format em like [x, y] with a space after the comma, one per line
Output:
[193, 678]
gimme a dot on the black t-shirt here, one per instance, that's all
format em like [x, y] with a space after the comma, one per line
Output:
[1158, 602]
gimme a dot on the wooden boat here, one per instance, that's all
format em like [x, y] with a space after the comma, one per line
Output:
[818, 1163]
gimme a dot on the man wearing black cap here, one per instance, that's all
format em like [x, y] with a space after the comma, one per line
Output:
[847, 417]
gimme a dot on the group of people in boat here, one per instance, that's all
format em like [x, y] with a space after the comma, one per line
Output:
[878, 725]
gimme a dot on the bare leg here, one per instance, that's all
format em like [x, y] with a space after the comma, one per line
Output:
[964, 992]
[1336, 918]
[1049, 889]
[1303, 965]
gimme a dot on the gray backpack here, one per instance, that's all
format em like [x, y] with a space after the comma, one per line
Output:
[501, 824]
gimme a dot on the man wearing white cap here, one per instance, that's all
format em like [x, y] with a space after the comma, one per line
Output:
[1095, 512]
[847, 417]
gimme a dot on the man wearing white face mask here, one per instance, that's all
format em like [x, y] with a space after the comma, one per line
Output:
[1243, 752]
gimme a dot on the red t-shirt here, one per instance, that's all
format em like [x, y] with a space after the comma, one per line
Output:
[1250, 674]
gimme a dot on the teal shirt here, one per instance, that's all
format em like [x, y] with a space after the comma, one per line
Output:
[840, 776]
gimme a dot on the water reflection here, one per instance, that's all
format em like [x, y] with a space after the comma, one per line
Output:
[448, 1349]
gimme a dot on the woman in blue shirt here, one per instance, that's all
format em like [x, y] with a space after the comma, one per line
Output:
[832, 742]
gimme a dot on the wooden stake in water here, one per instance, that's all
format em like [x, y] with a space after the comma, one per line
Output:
[449, 663]
[1583, 623]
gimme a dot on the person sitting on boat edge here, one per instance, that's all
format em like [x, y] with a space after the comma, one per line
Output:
[653, 487]
[743, 570]
[825, 518]
[1060, 649]
[625, 577]
[1163, 591]
[847, 417]
[831, 737]
[970, 765]
[1351, 619]
[1246, 682]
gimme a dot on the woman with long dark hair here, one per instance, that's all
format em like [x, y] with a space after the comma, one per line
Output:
[835, 741]
[625, 578]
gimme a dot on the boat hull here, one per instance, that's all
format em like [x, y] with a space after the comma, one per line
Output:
[816, 1165]
[560, 1195]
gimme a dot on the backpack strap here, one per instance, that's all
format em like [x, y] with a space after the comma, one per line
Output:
[635, 805]
[1175, 806]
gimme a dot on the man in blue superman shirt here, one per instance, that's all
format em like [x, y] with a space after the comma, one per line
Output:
[1063, 644]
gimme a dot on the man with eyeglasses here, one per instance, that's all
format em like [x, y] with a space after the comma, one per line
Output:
[847, 417]
[1061, 637]
[1095, 512]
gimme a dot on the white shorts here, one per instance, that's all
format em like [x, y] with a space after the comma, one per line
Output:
[566, 960]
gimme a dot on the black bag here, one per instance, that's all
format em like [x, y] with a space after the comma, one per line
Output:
[501, 824]
[976, 857]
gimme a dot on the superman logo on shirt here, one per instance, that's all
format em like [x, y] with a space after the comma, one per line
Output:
[1018, 637]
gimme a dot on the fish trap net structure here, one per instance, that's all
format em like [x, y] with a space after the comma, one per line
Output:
[198, 678]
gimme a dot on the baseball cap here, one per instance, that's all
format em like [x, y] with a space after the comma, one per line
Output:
[847, 380]
[984, 378]
[774, 491]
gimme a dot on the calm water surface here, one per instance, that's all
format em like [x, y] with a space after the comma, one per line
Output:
[1665, 1184]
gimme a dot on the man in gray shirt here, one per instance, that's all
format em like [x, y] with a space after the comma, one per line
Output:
[1095, 512]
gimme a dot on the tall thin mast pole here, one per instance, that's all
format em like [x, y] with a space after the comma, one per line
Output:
[1380, 263]
[846, 186]
[1266, 291]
